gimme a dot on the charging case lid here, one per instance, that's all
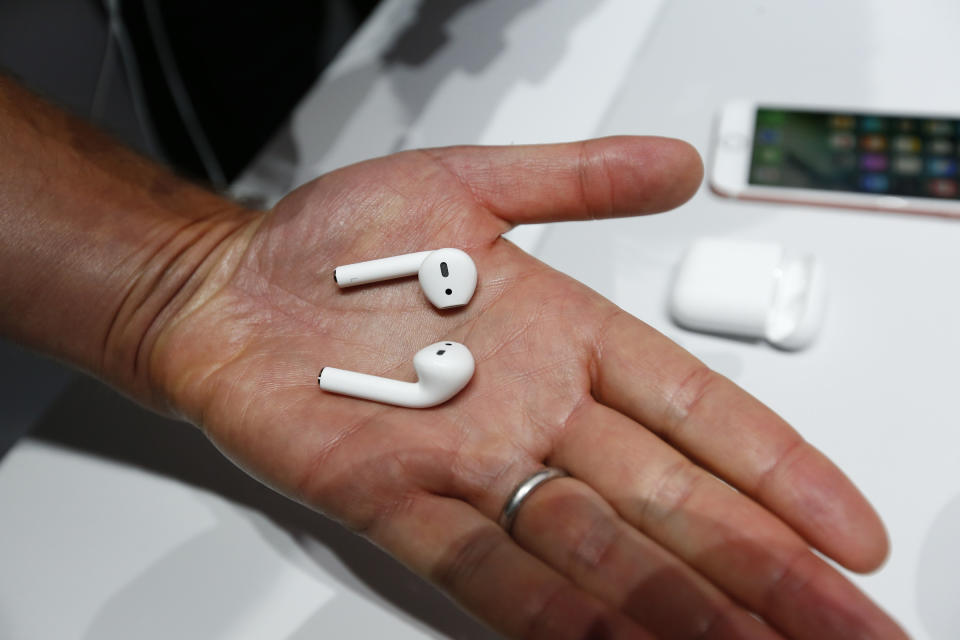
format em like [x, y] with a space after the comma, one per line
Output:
[749, 289]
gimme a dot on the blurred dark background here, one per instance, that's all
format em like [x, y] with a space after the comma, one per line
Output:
[198, 84]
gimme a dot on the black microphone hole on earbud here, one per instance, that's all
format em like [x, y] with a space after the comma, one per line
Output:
[444, 271]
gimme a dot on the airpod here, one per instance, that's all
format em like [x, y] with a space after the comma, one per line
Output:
[448, 276]
[443, 369]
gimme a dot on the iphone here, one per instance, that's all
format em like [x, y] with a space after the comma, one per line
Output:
[838, 157]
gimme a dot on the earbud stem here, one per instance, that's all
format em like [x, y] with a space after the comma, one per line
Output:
[368, 387]
[376, 270]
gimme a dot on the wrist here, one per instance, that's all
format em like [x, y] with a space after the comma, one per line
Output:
[179, 273]
[101, 248]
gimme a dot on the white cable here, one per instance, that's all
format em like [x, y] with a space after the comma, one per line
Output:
[117, 31]
[104, 76]
[181, 97]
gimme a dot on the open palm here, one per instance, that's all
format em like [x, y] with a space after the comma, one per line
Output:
[644, 537]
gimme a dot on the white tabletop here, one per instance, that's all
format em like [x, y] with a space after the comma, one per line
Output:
[878, 391]
[132, 538]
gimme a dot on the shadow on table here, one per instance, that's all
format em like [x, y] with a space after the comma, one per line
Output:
[376, 103]
[95, 420]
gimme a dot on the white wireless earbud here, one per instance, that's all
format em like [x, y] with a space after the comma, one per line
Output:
[443, 369]
[448, 276]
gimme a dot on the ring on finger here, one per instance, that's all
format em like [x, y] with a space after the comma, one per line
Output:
[522, 491]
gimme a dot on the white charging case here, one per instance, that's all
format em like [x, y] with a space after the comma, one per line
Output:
[750, 290]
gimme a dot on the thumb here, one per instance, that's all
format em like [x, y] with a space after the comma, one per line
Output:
[600, 178]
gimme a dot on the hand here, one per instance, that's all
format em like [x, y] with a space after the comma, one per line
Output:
[647, 533]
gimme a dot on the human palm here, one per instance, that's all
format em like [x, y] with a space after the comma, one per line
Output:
[643, 535]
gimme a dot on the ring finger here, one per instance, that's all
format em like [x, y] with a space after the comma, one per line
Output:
[573, 529]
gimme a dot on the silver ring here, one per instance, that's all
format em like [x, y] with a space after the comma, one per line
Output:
[512, 506]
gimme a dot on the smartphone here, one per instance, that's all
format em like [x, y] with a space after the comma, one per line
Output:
[838, 157]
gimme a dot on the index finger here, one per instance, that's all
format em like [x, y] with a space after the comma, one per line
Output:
[644, 375]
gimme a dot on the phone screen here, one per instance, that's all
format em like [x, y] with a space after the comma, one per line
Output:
[895, 155]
